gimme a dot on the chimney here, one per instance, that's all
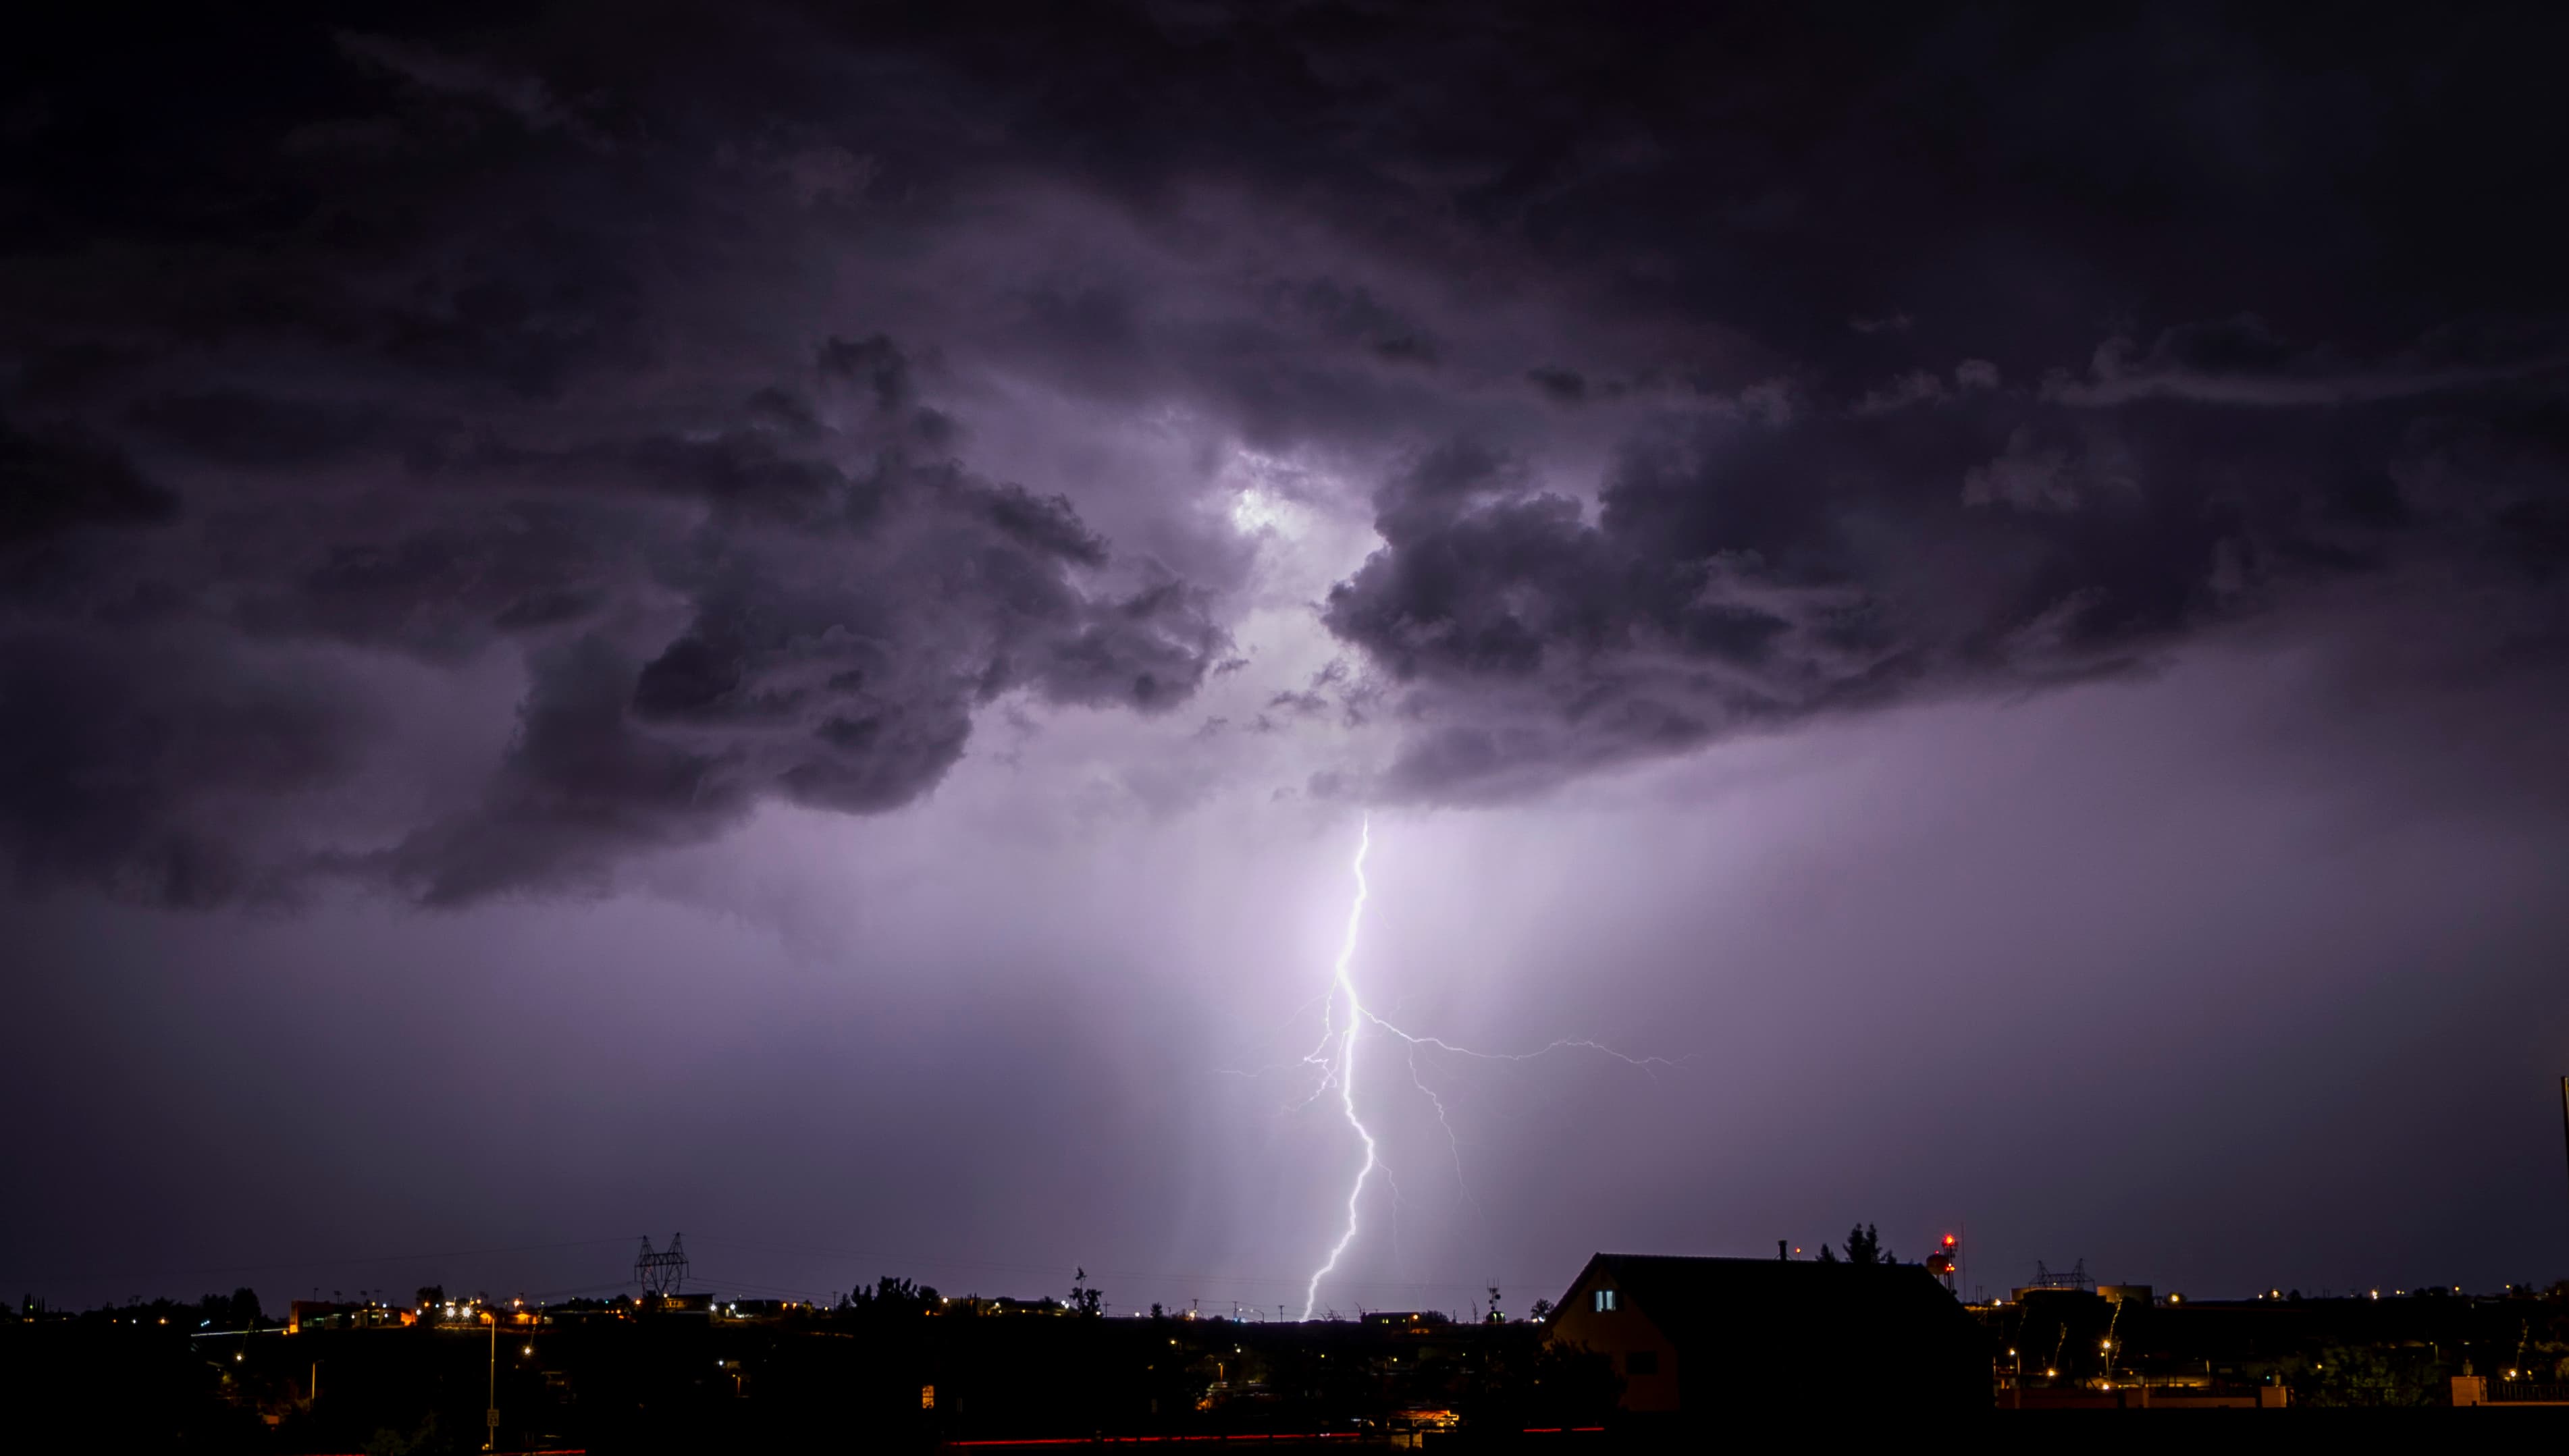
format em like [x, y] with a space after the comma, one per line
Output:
[1779, 1248]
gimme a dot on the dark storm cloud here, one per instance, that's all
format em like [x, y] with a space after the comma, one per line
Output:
[1925, 352]
[1992, 351]
[51, 483]
[845, 608]
[385, 358]
[1737, 574]
[2171, 327]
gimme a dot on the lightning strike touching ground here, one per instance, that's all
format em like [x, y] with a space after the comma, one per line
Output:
[1344, 1069]
[1339, 1068]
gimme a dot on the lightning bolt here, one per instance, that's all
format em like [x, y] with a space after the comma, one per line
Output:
[1335, 1056]
[1344, 1069]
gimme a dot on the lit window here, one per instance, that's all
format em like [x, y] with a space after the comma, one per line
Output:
[1604, 1302]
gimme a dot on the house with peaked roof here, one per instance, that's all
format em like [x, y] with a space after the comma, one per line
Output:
[1700, 1336]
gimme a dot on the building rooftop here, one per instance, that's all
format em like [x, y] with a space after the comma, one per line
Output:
[1690, 1298]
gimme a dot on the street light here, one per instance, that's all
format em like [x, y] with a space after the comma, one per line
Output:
[490, 1412]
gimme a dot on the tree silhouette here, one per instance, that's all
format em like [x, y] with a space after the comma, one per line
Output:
[1083, 1299]
[892, 1295]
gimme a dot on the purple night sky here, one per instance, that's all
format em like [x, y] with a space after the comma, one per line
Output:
[779, 622]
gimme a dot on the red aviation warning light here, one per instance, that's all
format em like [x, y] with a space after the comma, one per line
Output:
[1941, 1262]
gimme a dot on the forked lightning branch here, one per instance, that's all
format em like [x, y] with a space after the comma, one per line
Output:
[1346, 1022]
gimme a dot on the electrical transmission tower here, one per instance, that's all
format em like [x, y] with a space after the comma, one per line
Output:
[661, 1273]
[2076, 1279]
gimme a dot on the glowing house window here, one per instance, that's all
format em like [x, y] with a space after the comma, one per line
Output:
[1604, 1302]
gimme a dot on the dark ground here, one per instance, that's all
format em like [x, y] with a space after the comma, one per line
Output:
[121, 1379]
